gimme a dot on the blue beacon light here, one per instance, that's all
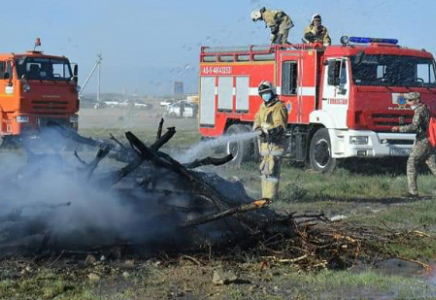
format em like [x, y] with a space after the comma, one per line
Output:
[367, 40]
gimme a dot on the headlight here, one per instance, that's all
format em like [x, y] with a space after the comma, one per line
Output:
[358, 140]
[26, 87]
[74, 119]
[22, 119]
[78, 88]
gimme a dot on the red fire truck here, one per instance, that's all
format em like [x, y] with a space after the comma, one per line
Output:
[342, 100]
[34, 89]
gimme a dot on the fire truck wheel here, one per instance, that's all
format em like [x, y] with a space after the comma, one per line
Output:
[320, 157]
[255, 151]
[241, 150]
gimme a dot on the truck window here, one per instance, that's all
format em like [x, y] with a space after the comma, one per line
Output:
[393, 70]
[337, 72]
[41, 68]
[289, 78]
[425, 73]
[9, 69]
[2, 69]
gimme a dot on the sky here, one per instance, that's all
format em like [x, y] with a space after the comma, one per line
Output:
[147, 45]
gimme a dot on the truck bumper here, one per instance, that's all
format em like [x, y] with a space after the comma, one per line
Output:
[351, 143]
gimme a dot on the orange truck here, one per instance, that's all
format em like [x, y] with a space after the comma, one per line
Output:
[35, 89]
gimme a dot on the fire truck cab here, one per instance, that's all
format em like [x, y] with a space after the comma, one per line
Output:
[342, 100]
[34, 89]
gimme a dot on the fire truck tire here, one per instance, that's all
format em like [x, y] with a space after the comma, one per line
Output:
[241, 150]
[255, 153]
[320, 157]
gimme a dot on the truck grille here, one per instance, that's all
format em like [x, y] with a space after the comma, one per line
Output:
[49, 107]
[42, 122]
[391, 119]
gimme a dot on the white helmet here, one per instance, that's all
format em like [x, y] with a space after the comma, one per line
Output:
[316, 16]
[265, 86]
[256, 15]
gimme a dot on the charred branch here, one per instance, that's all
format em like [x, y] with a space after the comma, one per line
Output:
[80, 159]
[101, 153]
[209, 161]
[116, 176]
[167, 162]
[159, 130]
[235, 210]
[117, 141]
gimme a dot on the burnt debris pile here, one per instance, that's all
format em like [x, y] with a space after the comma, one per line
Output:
[150, 201]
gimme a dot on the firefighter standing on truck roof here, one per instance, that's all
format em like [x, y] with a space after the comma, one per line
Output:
[316, 32]
[279, 23]
[271, 121]
[422, 150]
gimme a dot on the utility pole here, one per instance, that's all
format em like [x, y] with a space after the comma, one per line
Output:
[96, 66]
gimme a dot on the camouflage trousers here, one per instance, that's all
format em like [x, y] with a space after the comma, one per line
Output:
[270, 169]
[422, 151]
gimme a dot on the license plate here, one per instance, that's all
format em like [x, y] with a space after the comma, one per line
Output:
[399, 152]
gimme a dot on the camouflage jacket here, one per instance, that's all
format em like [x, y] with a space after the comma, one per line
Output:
[275, 18]
[420, 121]
[320, 35]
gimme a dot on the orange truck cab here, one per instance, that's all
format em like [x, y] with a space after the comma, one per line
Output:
[35, 89]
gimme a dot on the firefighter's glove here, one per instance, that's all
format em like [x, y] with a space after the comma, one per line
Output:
[274, 29]
[262, 134]
[309, 36]
[275, 134]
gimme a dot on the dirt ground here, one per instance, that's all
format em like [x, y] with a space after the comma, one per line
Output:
[373, 199]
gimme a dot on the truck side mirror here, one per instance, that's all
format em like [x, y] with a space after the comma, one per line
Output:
[75, 73]
[342, 91]
[333, 73]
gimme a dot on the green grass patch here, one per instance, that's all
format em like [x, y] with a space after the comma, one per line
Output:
[346, 285]
[302, 185]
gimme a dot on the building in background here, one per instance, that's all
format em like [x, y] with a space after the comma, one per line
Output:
[178, 88]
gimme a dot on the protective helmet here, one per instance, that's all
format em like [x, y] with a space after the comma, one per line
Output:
[316, 16]
[256, 15]
[265, 86]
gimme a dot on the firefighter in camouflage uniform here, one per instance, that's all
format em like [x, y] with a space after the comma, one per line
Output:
[279, 23]
[271, 121]
[422, 150]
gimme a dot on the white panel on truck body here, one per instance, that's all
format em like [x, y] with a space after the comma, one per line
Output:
[225, 93]
[207, 101]
[242, 94]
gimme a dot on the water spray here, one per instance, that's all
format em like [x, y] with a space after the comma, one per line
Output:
[223, 140]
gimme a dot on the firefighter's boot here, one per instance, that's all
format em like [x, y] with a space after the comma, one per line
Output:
[270, 187]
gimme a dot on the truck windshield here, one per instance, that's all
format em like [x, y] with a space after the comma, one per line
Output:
[393, 70]
[39, 68]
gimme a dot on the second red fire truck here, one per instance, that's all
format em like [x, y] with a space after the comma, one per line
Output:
[342, 100]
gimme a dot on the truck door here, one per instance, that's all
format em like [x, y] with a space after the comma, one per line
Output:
[289, 85]
[5, 79]
[4, 97]
[298, 83]
[336, 90]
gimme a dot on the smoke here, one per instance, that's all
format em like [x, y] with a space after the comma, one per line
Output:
[48, 193]
[209, 145]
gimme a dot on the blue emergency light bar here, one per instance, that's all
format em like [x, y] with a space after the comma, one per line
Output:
[366, 40]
